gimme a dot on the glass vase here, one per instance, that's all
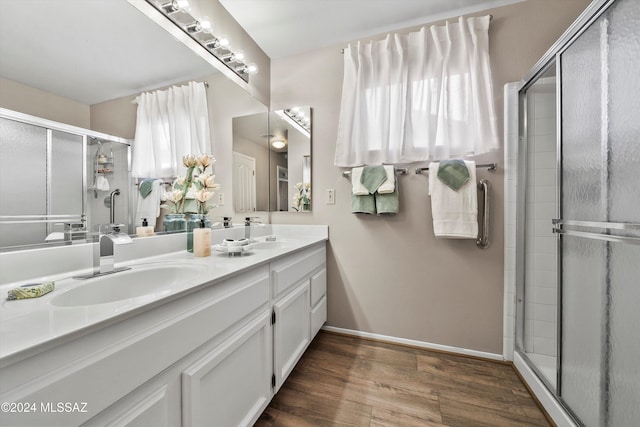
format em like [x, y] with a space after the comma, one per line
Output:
[193, 223]
[174, 223]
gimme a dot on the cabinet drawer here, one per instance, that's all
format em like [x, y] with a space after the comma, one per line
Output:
[318, 286]
[318, 316]
[289, 271]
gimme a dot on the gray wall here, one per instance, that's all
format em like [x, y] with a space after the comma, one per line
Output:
[29, 100]
[390, 276]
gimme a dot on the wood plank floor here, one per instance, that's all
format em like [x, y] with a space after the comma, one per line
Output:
[348, 381]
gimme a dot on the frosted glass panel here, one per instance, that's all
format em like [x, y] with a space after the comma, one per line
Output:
[66, 174]
[624, 344]
[583, 173]
[624, 111]
[23, 156]
[583, 320]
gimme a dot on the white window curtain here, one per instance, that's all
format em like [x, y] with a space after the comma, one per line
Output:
[170, 124]
[423, 96]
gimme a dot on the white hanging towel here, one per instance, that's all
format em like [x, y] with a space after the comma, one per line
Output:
[455, 213]
[357, 189]
[389, 186]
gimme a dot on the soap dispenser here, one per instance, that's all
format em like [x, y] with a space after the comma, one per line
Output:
[144, 230]
[202, 240]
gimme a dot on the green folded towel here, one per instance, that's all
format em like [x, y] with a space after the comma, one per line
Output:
[146, 186]
[389, 203]
[372, 177]
[363, 204]
[453, 173]
[32, 290]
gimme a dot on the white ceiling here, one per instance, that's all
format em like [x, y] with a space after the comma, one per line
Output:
[287, 27]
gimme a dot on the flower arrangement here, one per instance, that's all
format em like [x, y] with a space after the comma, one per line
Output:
[192, 192]
[302, 197]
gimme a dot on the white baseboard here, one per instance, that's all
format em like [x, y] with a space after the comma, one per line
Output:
[414, 343]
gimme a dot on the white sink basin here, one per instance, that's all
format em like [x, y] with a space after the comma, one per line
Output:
[141, 280]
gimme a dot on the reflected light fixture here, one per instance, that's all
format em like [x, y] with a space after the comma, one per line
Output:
[299, 117]
[201, 31]
[278, 143]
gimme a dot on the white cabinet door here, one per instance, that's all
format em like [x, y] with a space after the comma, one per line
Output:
[291, 330]
[231, 385]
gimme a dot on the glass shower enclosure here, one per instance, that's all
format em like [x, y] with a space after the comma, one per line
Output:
[579, 218]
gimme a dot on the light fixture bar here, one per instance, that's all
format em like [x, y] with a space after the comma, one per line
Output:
[298, 117]
[196, 28]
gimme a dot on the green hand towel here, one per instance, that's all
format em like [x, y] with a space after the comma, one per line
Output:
[388, 204]
[363, 204]
[453, 173]
[146, 186]
[373, 177]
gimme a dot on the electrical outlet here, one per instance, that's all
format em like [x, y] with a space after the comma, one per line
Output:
[330, 196]
[220, 199]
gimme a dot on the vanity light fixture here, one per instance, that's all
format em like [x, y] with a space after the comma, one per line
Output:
[278, 143]
[175, 6]
[298, 116]
[201, 31]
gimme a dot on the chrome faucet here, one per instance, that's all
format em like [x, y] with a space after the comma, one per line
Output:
[108, 237]
[247, 226]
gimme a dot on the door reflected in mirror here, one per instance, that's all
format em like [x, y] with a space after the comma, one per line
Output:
[250, 177]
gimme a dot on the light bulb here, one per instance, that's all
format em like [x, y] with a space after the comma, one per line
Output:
[239, 56]
[183, 5]
[205, 25]
[252, 68]
[224, 41]
[278, 144]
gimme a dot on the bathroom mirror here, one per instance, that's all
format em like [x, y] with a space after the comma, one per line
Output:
[272, 161]
[121, 52]
[290, 148]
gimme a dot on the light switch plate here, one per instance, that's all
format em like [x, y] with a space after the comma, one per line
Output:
[220, 199]
[330, 196]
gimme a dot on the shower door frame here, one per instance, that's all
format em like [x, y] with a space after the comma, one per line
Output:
[551, 58]
[50, 126]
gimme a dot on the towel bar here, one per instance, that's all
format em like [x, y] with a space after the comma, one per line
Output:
[399, 171]
[483, 235]
[489, 166]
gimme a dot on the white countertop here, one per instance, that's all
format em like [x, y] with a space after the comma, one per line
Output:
[32, 325]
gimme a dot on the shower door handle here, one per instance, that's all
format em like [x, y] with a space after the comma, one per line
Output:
[586, 229]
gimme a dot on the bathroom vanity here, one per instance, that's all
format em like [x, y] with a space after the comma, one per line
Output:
[211, 349]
